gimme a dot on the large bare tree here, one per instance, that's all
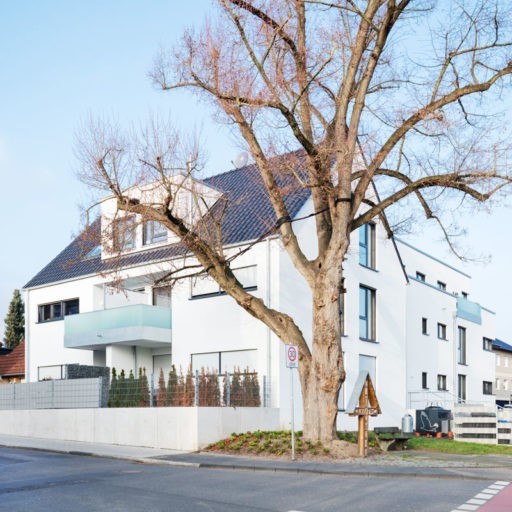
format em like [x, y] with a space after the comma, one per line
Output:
[402, 95]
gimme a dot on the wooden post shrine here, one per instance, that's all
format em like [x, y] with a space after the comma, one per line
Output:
[363, 403]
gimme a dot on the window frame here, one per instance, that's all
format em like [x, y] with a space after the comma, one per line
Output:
[121, 227]
[424, 380]
[424, 326]
[150, 234]
[441, 331]
[441, 285]
[218, 290]
[487, 387]
[61, 306]
[441, 382]
[367, 245]
[369, 317]
[461, 345]
[487, 344]
[420, 276]
[461, 387]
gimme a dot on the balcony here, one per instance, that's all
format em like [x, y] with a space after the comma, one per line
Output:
[136, 325]
[468, 310]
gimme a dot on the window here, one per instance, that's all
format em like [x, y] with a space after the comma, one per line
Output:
[341, 303]
[424, 383]
[226, 361]
[420, 276]
[441, 285]
[204, 285]
[367, 245]
[505, 361]
[505, 384]
[487, 387]
[95, 251]
[461, 346]
[441, 331]
[123, 234]
[487, 344]
[498, 360]
[424, 326]
[58, 310]
[497, 384]
[461, 388]
[464, 295]
[366, 313]
[441, 382]
[154, 233]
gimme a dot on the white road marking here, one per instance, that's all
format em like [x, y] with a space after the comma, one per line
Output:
[482, 497]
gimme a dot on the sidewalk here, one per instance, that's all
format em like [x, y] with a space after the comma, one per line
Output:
[393, 464]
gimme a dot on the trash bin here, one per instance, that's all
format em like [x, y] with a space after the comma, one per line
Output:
[407, 426]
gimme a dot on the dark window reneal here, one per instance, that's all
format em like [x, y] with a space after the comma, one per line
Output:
[424, 326]
[487, 387]
[366, 313]
[424, 383]
[441, 285]
[154, 233]
[461, 345]
[58, 310]
[441, 382]
[123, 234]
[367, 245]
[441, 331]
[420, 276]
[487, 344]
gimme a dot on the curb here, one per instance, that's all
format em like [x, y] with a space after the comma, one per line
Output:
[248, 467]
[365, 474]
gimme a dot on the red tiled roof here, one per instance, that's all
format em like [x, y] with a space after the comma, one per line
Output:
[14, 362]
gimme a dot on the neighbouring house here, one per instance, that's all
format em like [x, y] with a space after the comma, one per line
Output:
[407, 316]
[503, 352]
[12, 365]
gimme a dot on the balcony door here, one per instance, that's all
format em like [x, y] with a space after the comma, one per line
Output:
[162, 296]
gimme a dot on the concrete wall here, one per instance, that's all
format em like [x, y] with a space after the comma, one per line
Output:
[176, 428]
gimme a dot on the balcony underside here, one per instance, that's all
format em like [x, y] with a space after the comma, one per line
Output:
[135, 325]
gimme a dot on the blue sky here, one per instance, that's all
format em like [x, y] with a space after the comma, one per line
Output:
[62, 61]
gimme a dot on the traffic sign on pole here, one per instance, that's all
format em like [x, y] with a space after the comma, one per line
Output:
[292, 356]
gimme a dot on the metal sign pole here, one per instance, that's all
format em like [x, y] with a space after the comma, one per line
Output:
[293, 418]
[292, 361]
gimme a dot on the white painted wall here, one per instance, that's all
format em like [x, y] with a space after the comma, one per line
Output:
[176, 428]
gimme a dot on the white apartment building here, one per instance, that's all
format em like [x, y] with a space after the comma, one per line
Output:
[408, 318]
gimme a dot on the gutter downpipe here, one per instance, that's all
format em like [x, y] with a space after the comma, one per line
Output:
[27, 336]
[455, 341]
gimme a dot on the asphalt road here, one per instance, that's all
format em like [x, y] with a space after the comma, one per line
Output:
[42, 481]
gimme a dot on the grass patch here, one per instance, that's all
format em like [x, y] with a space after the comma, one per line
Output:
[457, 447]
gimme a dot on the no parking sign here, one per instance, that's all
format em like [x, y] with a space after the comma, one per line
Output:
[292, 356]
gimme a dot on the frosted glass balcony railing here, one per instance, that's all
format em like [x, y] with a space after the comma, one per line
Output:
[137, 324]
[469, 310]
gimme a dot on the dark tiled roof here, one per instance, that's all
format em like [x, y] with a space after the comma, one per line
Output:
[13, 364]
[248, 216]
[501, 345]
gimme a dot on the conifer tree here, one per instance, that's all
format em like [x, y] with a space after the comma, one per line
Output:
[143, 388]
[15, 321]
[172, 396]
[161, 391]
[189, 391]
[122, 389]
[113, 394]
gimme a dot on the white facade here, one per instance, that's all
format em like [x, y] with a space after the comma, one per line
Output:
[196, 324]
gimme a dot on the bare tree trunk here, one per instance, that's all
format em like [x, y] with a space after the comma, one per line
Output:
[322, 378]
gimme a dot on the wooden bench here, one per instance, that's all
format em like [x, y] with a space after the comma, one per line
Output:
[391, 438]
